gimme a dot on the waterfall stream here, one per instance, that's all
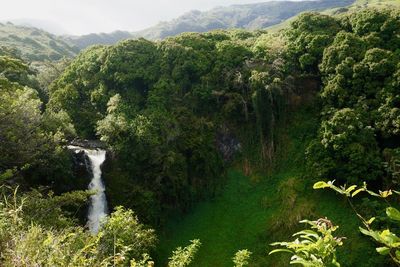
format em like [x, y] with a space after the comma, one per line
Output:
[98, 201]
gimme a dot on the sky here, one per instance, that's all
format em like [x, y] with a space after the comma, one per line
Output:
[79, 17]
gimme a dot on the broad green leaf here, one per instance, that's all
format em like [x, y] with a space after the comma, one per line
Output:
[320, 185]
[308, 233]
[339, 190]
[371, 220]
[280, 250]
[373, 193]
[388, 237]
[385, 194]
[357, 191]
[398, 254]
[383, 250]
[335, 263]
[351, 188]
[393, 213]
[375, 235]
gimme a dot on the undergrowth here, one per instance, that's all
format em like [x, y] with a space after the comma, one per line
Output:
[262, 207]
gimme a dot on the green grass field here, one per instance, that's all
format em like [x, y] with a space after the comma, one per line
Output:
[251, 212]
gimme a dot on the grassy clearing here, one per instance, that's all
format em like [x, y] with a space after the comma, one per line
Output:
[253, 211]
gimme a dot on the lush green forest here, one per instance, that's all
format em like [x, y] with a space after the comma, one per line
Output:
[250, 16]
[253, 16]
[218, 141]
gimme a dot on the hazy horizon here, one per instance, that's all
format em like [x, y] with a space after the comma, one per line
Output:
[77, 17]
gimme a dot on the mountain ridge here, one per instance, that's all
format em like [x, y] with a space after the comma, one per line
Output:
[34, 44]
[247, 16]
[38, 45]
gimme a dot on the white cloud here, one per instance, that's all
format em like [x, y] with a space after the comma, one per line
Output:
[85, 16]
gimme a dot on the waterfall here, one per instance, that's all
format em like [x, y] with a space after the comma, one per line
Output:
[98, 201]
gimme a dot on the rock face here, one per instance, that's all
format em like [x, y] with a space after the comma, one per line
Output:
[81, 169]
[81, 161]
[90, 144]
[227, 143]
[87, 158]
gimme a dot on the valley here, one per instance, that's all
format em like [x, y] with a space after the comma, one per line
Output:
[234, 143]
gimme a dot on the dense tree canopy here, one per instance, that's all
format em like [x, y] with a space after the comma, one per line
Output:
[30, 139]
[172, 113]
[359, 108]
[159, 107]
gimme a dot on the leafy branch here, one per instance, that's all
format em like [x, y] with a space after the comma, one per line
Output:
[389, 241]
[313, 247]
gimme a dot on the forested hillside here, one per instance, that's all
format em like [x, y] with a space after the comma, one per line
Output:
[84, 41]
[250, 16]
[33, 44]
[220, 136]
[337, 11]
[38, 45]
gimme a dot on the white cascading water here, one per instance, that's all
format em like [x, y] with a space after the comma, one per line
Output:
[98, 203]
